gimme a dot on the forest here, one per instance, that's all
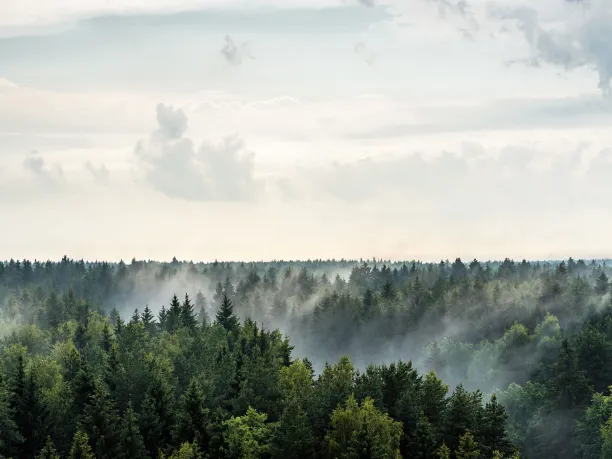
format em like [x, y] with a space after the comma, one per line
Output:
[306, 359]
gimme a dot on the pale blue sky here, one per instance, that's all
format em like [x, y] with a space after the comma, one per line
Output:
[404, 126]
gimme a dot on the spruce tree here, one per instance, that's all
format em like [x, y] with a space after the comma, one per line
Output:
[174, 315]
[49, 451]
[30, 414]
[157, 416]
[187, 317]
[493, 435]
[425, 439]
[468, 447]
[80, 448]
[225, 315]
[135, 317]
[131, 444]
[163, 319]
[602, 285]
[10, 438]
[107, 338]
[148, 320]
[192, 417]
[100, 422]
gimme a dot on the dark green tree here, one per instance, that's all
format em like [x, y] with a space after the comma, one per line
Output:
[188, 318]
[131, 444]
[225, 315]
[49, 451]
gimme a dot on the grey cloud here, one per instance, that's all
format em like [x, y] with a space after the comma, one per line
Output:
[235, 54]
[584, 42]
[100, 174]
[50, 178]
[172, 165]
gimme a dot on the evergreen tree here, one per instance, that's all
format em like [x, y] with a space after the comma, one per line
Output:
[30, 414]
[107, 339]
[468, 447]
[54, 311]
[157, 416]
[131, 444]
[192, 417]
[101, 422]
[425, 447]
[10, 438]
[148, 320]
[603, 284]
[225, 315]
[163, 318]
[174, 315]
[443, 452]
[218, 295]
[187, 317]
[293, 439]
[493, 436]
[49, 451]
[135, 319]
[80, 448]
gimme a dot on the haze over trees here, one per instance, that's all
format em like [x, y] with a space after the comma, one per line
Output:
[312, 359]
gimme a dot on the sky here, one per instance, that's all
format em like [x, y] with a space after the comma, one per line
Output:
[285, 129]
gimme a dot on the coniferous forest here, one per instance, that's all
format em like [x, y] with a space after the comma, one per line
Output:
[313, 359]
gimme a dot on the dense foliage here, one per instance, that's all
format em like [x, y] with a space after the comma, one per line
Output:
[184, 360]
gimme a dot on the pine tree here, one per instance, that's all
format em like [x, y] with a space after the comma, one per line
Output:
[460, 416]
[131, 444]
[49, 451]
[80, 448]
[468, 448]
[388, 291]
[218, 295]
[10, 438]
[192, 417]
[148, 320]
[293, 439]
[30, 414]
[187, 317]
[135, 317]
[443, 452]
[174, 315]
[228, 288]
[225, 315]
[493, 431]
[425, 439]
[107, 340]
[100, 422]
[157, 416]
[163, 318]
[114, 316]
[202, 306]
[602, 285]
[54, 311]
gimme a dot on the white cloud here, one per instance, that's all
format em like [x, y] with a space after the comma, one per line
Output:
[172, 165]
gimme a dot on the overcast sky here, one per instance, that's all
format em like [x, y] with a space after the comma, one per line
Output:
[269, 129]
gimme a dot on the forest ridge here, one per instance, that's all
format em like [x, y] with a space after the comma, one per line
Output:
[313, 359]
